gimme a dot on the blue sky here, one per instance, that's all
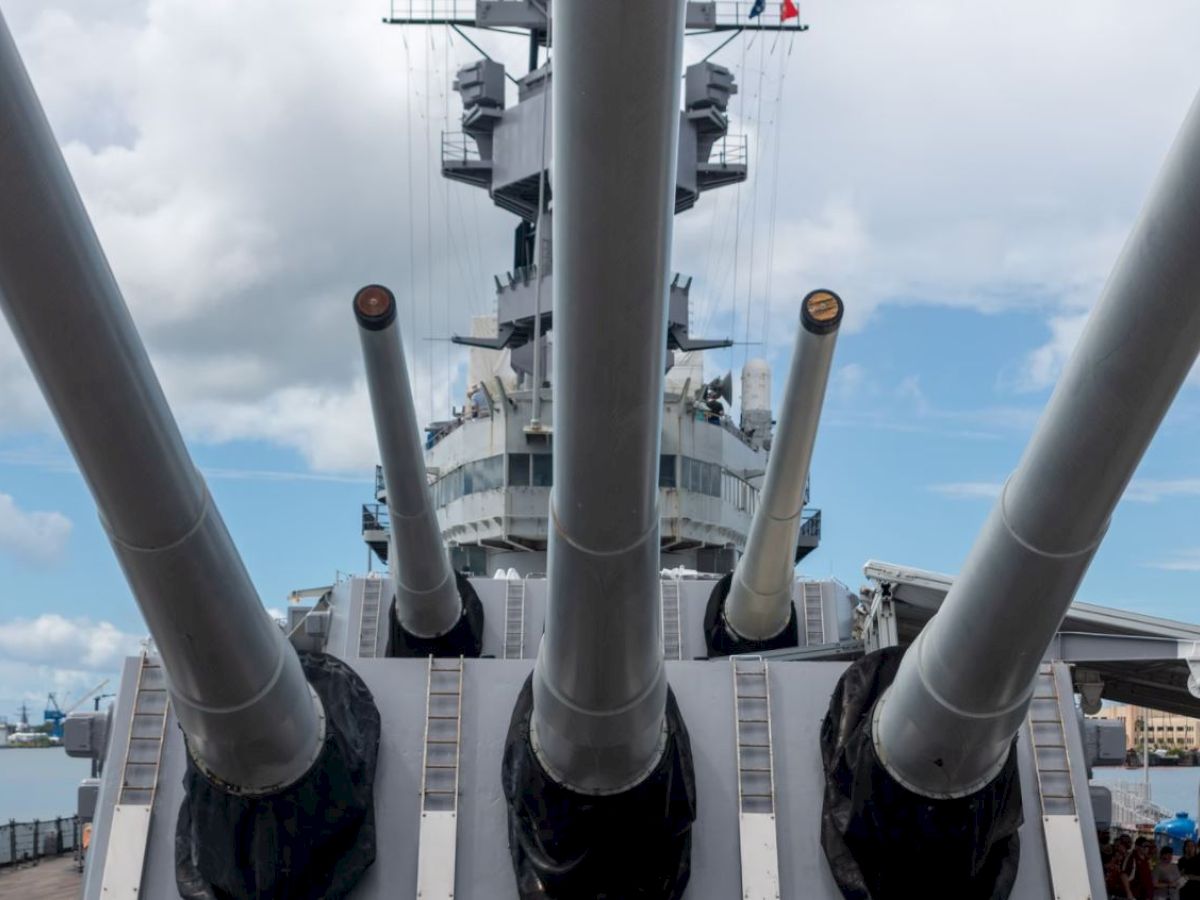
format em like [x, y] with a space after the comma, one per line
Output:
[963, 177]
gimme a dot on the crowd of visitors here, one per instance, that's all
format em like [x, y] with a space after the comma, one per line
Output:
[1141, 870]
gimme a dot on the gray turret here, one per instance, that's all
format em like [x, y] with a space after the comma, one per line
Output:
[429, 616]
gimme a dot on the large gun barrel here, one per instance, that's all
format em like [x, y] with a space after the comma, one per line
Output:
[945, 725]
[597, 765]
[759, 604]
[236, 685]
[600, 687]
[427, 598]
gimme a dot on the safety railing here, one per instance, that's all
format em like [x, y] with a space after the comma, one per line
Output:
[423, 11]
[810, 523]
[27, 842]
[375, 517]
[459, 148]
[731, 150]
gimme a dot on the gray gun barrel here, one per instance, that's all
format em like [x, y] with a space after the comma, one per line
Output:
[599, 688]
[759, 605]
[427, 600]
[944, 726]
[236, 685]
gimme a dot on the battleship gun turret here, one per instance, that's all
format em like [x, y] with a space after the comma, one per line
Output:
[751, 609]
[435, 611]
[930, 738]
[261, 728]
[597, 769]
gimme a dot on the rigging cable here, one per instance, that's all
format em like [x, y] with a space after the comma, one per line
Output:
[412, 282]
[780, 111]
[760, 139]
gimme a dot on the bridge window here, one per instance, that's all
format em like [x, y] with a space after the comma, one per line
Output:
[666, 471]
[518, 470]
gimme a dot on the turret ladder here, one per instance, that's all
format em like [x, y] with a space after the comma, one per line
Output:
[368, 631]
[129, 832]
[756, 778]
[438, 836]
[671, 623]
[1056, 792]
[814, 614]
[514, 619]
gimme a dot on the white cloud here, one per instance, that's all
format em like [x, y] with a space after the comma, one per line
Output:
[34, 537]
[1148, 490]
[247, 171]
[968, 490]
[1183, 561]
[1140, 490]
[70, 644]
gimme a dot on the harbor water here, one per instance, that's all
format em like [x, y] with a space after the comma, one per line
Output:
[39, 783]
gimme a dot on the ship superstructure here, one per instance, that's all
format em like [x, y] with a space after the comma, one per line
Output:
[644, 701]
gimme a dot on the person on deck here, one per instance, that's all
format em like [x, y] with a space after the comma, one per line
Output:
[1166, 876]
[1189, 865]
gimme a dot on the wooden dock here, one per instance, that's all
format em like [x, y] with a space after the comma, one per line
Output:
[50, 879]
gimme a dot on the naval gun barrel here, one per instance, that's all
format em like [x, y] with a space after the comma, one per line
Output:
[759, 604]
[427, 599]
[236, 685]
[945, 725]
[599, 687]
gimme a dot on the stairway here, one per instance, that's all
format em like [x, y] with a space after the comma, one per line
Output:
[514, 619]
[129, 832]
[368, 631]
[437, 841]
[1065, 852]
[671, 640]
[814, 614]
[757, 835]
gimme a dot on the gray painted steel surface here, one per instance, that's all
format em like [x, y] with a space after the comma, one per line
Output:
[600, 689]
[799, 696]
[236, 685]
[759, 604]
[427, 601]
[962, 690]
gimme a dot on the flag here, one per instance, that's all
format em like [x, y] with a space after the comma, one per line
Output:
[757, 9]
[788, 11]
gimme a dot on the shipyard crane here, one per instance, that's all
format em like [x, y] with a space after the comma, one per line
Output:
[54, 715]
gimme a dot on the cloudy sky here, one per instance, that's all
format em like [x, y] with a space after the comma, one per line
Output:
[963, 174]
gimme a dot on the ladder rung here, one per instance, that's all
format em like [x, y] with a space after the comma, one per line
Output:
[445, 694]
[753, 721]
[743, 745]
[440, 766]
[744, 795]
[444, 718]
[437, 791]
[753, 769]
[752, 696]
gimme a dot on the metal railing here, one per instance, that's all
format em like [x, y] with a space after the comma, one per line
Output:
[810, 523]
[731, 150]
[736, 13]
[1132, 807]
[459, 148]
[26, 842]
[431, 11]
[375, 517]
